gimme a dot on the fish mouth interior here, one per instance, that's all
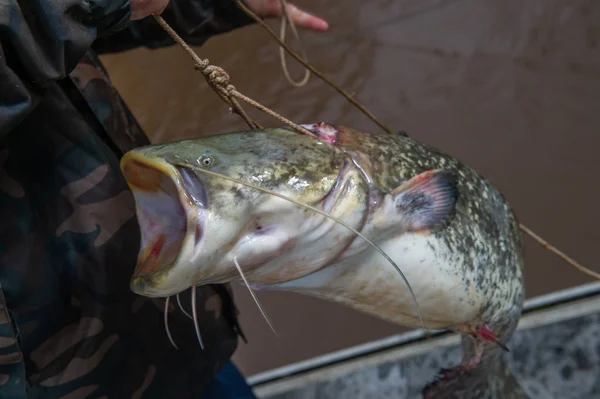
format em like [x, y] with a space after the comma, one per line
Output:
[161, 217]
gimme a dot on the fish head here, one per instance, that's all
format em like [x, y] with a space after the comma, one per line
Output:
[194, 224]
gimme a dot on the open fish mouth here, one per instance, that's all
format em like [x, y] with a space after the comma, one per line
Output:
[161, 214]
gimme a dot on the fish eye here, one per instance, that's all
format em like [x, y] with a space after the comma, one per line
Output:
[207, 160]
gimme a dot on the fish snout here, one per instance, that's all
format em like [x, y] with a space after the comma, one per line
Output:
[163, 214]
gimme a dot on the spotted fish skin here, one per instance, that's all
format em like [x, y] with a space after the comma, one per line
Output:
[482, 239]
[484, 230]
[451, 233]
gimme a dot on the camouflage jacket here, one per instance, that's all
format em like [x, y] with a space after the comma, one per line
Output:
[69, 325]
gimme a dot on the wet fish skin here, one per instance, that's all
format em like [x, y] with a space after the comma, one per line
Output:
[455, 237]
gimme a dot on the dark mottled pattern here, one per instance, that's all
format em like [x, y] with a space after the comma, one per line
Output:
[69, 323]
[481, 239]
[484, 227]
[559, 360]
[483, 230]
[277, 160]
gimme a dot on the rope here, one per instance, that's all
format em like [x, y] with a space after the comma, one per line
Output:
[218, 79]
[291, 52]
[558, 253]
[284, 21]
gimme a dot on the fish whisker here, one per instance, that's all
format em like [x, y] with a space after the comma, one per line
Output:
[325, 214]
[239, 268]
[166, 320]
[195, 314]
[182, 309]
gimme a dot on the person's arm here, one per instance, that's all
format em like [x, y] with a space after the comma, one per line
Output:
[194, 20]
[198, 20]
[42, 42]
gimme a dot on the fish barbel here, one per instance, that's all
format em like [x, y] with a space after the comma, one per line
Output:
[448, 229]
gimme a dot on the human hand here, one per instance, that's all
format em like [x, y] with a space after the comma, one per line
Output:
[263, 8]
[300, 18]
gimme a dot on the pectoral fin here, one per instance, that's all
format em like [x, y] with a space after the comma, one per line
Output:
[427, 201]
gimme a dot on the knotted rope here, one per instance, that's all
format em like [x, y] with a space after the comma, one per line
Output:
[219, 80]
[284, 21]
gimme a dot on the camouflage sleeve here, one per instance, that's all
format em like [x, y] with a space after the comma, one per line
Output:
[194, 20]
[42, 41]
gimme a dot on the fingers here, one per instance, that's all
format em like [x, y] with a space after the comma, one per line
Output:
[300, 18]
[265, 8]
[303, 19]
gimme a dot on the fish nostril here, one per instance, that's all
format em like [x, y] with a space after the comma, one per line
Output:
[193, 186]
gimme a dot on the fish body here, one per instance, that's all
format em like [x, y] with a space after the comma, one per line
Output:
[448, 229]
[465, 263]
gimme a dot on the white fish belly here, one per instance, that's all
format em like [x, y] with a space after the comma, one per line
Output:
[369, 283]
